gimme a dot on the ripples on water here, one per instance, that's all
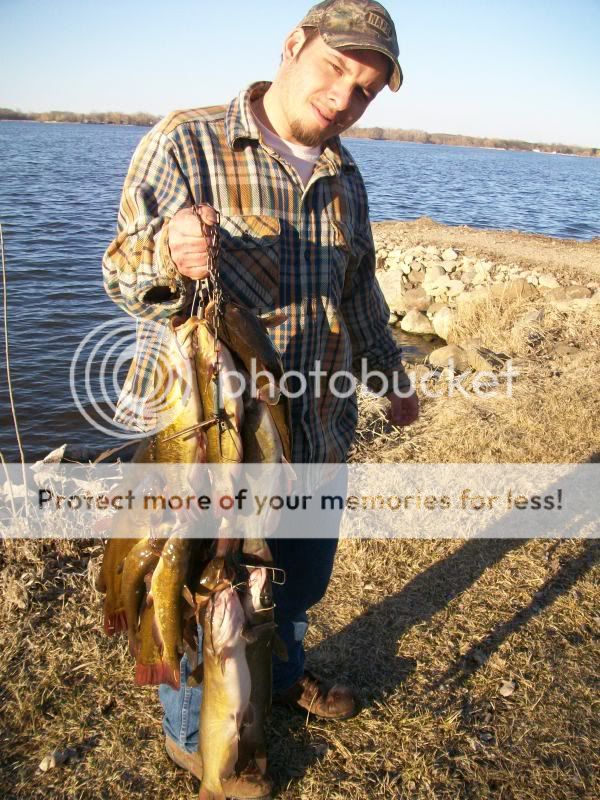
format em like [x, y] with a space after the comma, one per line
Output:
[59, 195]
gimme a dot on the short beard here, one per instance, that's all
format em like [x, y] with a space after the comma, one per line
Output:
[306, 137]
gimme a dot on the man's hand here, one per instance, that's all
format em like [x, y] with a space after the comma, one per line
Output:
[403, 410]
[187, 245]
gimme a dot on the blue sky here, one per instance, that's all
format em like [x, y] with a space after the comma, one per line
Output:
[527, 69]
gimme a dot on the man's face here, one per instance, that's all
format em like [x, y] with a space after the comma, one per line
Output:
[324, 91]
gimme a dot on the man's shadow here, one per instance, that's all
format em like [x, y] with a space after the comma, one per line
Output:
[365, 653]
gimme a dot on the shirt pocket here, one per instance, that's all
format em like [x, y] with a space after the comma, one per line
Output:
[249, 260]
[340, 239]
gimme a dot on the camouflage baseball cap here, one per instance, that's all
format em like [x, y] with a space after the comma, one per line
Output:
[357, 25]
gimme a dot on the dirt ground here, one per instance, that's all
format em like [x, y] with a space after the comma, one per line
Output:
[477, 661]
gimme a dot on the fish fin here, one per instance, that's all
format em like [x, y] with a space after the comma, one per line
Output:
[197, 676]
[115, 622]
[134, 647]
[273, 319]
[188, 596]
[269, 394]
[249, 634]
[156, 635]
[280, 648]
[288, 469]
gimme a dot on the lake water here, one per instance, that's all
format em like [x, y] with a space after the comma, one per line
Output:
[59, 194]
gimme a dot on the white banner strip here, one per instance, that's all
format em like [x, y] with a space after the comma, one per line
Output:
[430, 501]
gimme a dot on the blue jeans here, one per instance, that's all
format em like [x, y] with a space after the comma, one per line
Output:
[308, 564]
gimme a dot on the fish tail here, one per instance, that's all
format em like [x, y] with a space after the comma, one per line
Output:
[155, 674]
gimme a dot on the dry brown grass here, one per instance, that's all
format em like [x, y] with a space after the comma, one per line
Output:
[428, 631]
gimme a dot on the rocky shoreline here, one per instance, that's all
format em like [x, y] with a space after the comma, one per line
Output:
[428, 272]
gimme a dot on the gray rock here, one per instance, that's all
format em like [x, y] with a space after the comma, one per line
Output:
[394, 319]
[391, 286]
[548, 282]
[395, 266]
[450, 355]
[435, 307]
[449, 255]
[579, 304]
[416, 322]
[455, 287]
[516, 290]
[482, 359]
[436, 286]
[442, 322]
[433, 272]
[416, 299]
[573, 292]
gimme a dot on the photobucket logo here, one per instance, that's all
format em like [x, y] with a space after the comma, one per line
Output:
[343, 384]
[96, 381]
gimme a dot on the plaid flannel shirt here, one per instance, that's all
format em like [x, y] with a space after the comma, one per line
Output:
[305, 250]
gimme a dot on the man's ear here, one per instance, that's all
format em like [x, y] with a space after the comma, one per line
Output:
[293, 45]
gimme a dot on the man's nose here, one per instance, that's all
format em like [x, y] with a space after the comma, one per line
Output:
[341, 96]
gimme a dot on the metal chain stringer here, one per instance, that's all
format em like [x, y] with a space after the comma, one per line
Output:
[213, 293]
[212, 283]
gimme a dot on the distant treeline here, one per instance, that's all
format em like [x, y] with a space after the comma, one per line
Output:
[399, 135]
[95, 117]
[389, 134]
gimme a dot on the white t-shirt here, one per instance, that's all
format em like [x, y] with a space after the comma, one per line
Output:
[302, 158]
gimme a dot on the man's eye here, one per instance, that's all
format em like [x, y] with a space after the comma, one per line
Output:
[335, 68]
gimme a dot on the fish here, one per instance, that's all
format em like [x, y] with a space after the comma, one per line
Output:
[221, 401]
[263, 444]
[109, 581]
[220, 390]
[141, 559]
[260, 437]
[260, 630]
[247, 336]
[149, 668]
[281, 417]
[180, 441]
[166, 594]
[226, 693]
[180, 438]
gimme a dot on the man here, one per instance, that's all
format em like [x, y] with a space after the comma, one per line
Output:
[295, 236]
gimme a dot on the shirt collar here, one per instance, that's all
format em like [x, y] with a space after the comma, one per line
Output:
[240, 124]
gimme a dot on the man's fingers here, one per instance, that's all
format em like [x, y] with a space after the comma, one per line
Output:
[208, 214]
[194, 273]
[187, 244]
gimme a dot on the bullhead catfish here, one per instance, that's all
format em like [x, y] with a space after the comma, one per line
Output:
[166, 594]
[226, 693]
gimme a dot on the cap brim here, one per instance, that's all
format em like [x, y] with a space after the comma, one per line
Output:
[343, 43]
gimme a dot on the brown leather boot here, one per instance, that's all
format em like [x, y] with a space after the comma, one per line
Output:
[250, 785]
[319, 697]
